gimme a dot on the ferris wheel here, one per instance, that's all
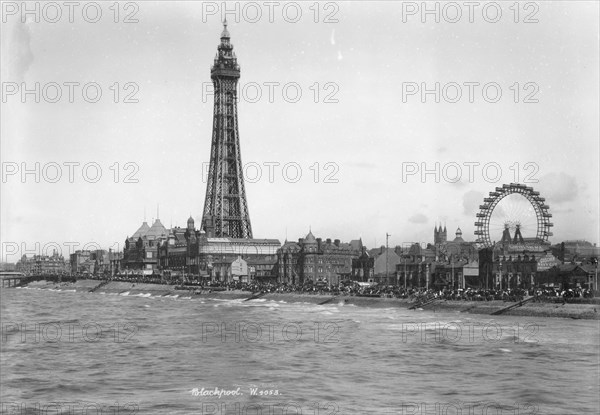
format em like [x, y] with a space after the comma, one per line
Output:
[513, 209]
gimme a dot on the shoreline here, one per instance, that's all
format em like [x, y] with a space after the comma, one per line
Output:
[530, 309]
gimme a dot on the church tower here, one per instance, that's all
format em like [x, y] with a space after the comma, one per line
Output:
[440, 235]
[225, 206]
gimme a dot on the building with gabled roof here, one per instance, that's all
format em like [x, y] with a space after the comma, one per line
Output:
[140, 254]
[312, 259]
[195, 254]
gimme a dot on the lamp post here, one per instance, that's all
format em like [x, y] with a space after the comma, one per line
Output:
[404, 261]
[452, 265]
[387, 235]
[500, 269]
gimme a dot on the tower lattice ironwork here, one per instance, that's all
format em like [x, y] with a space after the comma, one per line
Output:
[225, 206]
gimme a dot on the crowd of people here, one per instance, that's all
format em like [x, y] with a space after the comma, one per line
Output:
[351, 288]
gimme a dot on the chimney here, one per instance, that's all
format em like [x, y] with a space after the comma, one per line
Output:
[328, 240]
[300, 241]
[336, 242]
[319, 243]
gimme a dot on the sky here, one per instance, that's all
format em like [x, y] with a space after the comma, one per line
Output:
[339, 134]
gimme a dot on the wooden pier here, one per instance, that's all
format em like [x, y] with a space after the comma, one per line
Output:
[16, 279]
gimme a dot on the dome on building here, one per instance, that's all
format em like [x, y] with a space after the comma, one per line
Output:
[190, 222]
[141, 231]
[157, 230]
[310, 238]
[458, 236]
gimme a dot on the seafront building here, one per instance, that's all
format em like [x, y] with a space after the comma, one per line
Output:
[202, 255]
[312, 260]
[140, 253]
[195, 254]
[54, 264]
[90, 262]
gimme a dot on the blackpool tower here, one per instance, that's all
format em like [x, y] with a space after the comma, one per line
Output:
[225, 206]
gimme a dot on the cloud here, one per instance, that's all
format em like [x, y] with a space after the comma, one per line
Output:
[471, 201]
[558, 187]
[418, 218]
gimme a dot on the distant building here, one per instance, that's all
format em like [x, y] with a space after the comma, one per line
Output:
[500, 271]
[569, 276]
[576, 251]
[54, 264]
[385, 263]
[92, 262]
[312, 259]
[115, 259]
[194, 254]
[416, 267]
[263, 268]
[439, 235]
[456, 249]
[140, 254]
[7, 266]
[449, 274]
[363, 267]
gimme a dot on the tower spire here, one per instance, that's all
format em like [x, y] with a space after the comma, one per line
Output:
[225, 206]
[225, 32]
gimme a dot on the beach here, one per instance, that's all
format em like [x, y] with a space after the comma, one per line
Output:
[530, 309]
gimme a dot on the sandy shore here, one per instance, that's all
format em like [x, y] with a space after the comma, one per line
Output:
[575, 311]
